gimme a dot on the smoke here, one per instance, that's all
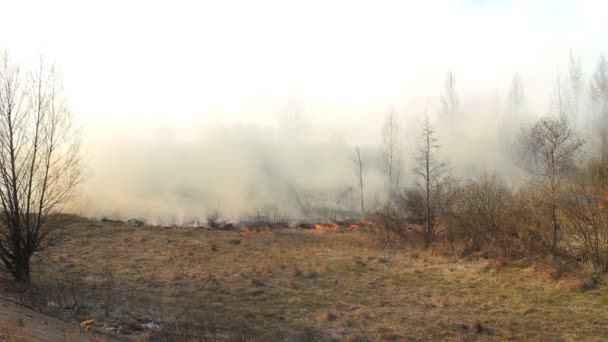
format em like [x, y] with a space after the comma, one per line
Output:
[177, 175]
[181, 172]
[198, 114]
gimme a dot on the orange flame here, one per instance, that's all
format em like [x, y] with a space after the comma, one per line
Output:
[602, 199]
[249, 230]
[320, 227]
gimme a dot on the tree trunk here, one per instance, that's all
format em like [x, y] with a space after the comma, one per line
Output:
[555, 228]
[22, 270]
[428, 191]
[362, 196]
[361, 179]
[603, 148]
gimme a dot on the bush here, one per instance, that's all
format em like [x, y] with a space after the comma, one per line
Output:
[268, 217]
[587, 226]
[392, 229]
[214, 219]
[483, 216]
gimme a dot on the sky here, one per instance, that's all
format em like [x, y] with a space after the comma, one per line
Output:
[137, 71]
[233, 60]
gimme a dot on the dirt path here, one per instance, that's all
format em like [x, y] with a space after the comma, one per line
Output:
[19, 323]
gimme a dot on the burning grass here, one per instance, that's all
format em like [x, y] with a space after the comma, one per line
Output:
[344, 226]
[296, 284]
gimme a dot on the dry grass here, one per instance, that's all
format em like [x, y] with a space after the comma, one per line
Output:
[303, 285]
[12, 331]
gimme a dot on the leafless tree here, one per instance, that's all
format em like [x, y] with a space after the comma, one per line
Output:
[449, 100]
[599, 94]
[576, 83]
[39, 163]
[430, 176]
[391, 154]
[516, 94]
[359, 169]
[599, 82]
[562, 102]
[511, 120]
[550, 148]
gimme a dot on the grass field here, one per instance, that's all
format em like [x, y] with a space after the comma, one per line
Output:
[302, 285]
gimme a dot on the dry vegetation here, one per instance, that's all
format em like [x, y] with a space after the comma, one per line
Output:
[302, 285]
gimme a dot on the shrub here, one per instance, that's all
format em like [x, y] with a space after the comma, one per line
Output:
[482, 216]
[587, 226]
[392, 229]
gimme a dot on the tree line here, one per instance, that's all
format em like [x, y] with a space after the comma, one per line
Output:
[560, 208]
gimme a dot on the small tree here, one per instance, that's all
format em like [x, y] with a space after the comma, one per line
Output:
[599, 83]
[391, 154]
[449, 100]
[516, 94]
[576, 84]
[430, 179]
[513, 115]
[39, 163]
[599, 95]
[359, 169]
[563, 101]
[550, 147]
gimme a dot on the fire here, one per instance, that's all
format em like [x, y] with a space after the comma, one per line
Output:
[88, 324]
[248, 230]
[601, 200]
[320, 227]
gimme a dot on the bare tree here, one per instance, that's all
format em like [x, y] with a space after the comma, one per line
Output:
[576, 84]
[550, 149]
[516, 94]
[430, 176]
[39, 163]
[511, 120]
[391, 153]
[449, 100]
[599, 82]
[599, 94]
[562, 103]
[359, 169]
